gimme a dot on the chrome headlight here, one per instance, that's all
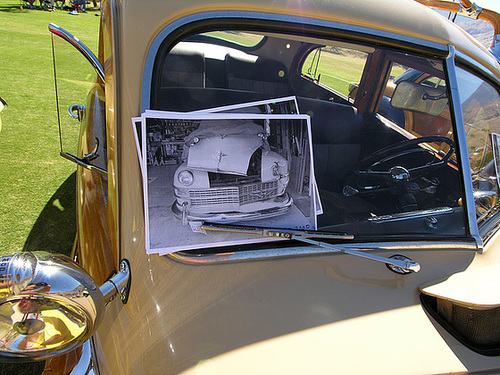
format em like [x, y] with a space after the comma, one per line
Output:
[185, 177]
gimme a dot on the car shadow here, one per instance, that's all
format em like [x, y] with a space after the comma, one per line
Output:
[31, 368]
[55, 229]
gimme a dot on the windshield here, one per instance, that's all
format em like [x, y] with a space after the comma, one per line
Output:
[372, 156]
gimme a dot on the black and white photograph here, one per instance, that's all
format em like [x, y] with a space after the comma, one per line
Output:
[245, 169]
[283, 105]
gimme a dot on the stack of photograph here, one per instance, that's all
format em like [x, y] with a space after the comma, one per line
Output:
[249, 164]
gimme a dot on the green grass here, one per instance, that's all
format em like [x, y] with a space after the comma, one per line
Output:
[37, 186]
[31, 170]
[338, 69]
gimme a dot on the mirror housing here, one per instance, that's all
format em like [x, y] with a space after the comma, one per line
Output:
[49, 305]
[414, 97]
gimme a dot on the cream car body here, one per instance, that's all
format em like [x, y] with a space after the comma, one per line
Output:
[289, 307]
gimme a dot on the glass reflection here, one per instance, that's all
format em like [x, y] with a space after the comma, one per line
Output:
[33, 323]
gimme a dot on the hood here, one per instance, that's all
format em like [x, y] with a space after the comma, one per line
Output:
[224, 146]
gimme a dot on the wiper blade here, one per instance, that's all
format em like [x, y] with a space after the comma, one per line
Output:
[276, 232]
[399, 264]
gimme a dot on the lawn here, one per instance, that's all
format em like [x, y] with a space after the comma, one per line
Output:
[34, 179]
[339, 67]
[37, 186]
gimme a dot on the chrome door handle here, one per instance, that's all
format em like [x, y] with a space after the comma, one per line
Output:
[76, 111]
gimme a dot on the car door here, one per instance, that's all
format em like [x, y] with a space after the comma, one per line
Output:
[81, 109]
[219, 301]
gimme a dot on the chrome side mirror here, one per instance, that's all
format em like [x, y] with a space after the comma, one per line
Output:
[49, 305]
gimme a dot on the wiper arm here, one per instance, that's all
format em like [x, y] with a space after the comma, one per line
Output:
[398, 263]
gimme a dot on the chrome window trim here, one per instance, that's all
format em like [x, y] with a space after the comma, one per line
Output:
[94, 62]
[298, 251]
[456, 108]
[82, 48]
[258, 16]
[465, 62]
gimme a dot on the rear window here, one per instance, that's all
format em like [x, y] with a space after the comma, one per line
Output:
[338, 68]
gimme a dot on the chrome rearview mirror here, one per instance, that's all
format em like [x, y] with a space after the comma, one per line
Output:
[49, 305]
[419, 98]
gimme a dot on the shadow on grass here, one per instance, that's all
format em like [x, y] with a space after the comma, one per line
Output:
[55, 229]
[12, 9]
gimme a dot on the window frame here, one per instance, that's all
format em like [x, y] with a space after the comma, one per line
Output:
[251, 21]
[88, 55]
[492, 224]
[462, 150]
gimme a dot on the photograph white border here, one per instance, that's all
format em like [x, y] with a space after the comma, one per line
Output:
[231, 238]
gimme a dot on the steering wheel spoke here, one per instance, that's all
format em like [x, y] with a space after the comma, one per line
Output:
[391, 168]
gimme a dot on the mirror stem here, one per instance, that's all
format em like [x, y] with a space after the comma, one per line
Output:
[119, 284]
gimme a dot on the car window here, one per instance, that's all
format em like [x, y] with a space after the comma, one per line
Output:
[381, 164]
[80, 101]
[338, 68]
[481, 112]
[417, 120]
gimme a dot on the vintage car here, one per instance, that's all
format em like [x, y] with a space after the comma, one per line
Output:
[242, 180]
[401, 272]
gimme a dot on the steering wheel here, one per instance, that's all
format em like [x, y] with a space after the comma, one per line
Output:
[397, 163]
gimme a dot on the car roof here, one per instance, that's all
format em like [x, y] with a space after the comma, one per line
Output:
[143, 20]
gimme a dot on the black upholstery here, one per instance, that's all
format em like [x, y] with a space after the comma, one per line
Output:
[183, 69]
[183, 99]
[263, 75]
[192, 82]
[336, 134]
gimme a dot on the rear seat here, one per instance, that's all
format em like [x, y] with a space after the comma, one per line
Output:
[336, 127]
[189, 81]
[183, 68]
[262, 75]
[184, 99]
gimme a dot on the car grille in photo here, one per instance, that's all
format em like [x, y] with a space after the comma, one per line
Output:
[234, 195]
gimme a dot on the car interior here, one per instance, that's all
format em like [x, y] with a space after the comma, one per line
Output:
[381, 168]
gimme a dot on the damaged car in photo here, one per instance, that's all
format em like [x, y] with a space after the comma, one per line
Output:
[349, 227]
[241, 179]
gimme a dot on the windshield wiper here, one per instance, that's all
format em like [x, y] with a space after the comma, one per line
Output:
[399, 264]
